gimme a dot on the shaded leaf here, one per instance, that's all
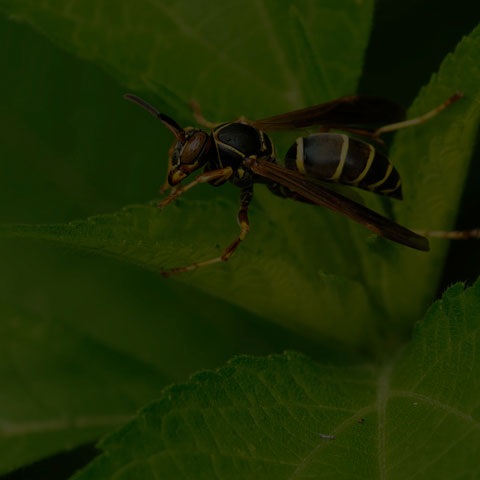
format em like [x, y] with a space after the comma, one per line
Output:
[85, 338]
[62, 388]
[64, 132]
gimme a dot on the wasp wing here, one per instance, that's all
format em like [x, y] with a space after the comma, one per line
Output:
[353, 110]
[317, 194]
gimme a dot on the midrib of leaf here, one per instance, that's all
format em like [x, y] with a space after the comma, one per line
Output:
[383, 396]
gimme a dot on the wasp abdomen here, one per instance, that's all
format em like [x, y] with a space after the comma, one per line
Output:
[336, 157]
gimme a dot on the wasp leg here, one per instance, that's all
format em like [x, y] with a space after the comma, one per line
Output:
[223, 174]
[453, 235]
[199, 118]
[166, 185]
[360, 132]
[242, 219]
[418, 120]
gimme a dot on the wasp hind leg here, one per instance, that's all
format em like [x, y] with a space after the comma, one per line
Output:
[418, 120]
[242, 219]
[452, 235]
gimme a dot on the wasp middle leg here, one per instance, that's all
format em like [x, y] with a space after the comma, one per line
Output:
[242, 219]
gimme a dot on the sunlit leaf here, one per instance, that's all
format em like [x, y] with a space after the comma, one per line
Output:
[286, 417]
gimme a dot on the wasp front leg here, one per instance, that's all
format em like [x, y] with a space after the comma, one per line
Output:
[221, 174]
[166, 185]
[242, 219]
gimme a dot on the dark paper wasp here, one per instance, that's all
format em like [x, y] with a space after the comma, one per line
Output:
[242, 153]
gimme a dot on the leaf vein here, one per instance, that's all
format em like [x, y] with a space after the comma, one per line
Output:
[346, 423]
[435, 403]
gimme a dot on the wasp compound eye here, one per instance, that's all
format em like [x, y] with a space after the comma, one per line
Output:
[194, 147]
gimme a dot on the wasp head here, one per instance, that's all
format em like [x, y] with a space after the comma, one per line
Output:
[189, 152]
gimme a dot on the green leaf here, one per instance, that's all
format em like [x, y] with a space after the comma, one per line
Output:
[313, 268]
[288, 417]
[253, 55]
[262, 270]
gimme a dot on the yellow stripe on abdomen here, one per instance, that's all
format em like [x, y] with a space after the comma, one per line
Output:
[371, 156]
[343, 156]
[300, 160]
[380, 182]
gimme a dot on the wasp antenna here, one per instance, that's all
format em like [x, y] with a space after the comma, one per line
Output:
[142, 103]
[171, 124]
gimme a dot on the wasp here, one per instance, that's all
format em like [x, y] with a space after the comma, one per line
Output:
[241, 152]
